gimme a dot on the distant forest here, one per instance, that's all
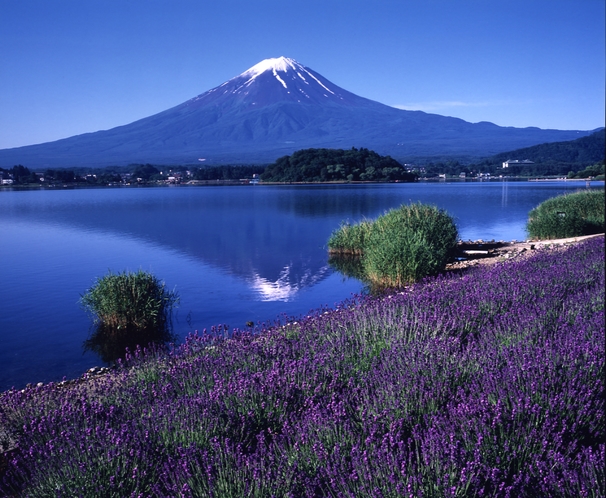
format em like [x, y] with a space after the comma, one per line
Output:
[133, 173]
[330, 165]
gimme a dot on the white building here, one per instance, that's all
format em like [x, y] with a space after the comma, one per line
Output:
[516, 162]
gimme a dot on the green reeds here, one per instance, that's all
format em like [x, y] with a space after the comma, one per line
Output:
[349, 239]
[130, 304]
[402, 246]
[570, 215]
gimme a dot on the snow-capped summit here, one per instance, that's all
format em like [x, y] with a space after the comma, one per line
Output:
[280, 80]
[274, 108]
[291, 67]
[278, 64]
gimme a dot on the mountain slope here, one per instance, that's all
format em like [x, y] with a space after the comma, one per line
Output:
[272, 109]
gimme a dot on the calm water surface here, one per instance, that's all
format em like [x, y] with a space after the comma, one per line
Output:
[234, 254]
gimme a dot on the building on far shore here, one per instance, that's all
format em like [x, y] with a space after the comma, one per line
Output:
[516, 162]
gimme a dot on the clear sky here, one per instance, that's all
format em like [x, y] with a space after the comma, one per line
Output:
[75, 66]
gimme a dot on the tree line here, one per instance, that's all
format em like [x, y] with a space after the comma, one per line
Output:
[21, 175]
[455, 168]
[133, 173]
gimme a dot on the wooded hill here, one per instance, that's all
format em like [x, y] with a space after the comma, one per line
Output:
[331, 165]
[557, 158]
[585, 154]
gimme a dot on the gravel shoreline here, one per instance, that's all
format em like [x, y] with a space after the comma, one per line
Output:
[480, 252]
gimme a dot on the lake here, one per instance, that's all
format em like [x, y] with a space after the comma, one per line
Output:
[234, 254]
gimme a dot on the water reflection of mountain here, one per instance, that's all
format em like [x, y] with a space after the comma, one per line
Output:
[244, 240]
[270, 239]
[288, 284]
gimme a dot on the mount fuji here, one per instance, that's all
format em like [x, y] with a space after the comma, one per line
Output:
[272, 109]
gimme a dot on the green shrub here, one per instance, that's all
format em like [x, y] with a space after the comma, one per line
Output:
[407, 244]
[130, 303]
[570, 215]
[396, 257]
[402, 246]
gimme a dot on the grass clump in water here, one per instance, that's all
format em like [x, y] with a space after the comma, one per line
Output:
[402, 246]
[570, 215]
[130, 303]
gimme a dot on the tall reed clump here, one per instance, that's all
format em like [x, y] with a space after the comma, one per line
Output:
[130, 303]
[570, 215]
[402, 246]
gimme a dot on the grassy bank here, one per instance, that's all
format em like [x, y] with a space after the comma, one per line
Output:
[570, 215]
[491, 384]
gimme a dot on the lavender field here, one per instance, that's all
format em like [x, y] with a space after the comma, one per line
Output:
[485, 384]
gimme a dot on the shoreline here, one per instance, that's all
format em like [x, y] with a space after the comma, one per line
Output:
[248, 182]
[482, 253]
[474, 254]
[478, 254]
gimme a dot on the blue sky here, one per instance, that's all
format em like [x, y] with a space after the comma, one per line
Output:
[75, 66]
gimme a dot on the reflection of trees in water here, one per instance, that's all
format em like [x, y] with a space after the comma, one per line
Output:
[110, 345]
[321, 201]
[350, 266]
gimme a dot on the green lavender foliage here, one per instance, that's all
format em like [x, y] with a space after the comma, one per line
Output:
[570, 215]
[489, 384]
